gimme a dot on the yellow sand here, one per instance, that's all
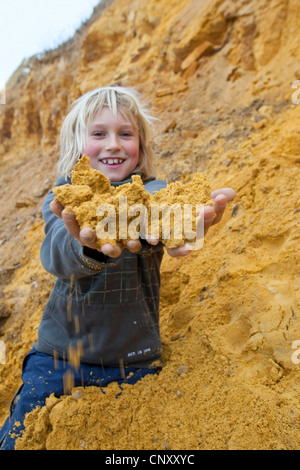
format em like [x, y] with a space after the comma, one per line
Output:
[100, 206]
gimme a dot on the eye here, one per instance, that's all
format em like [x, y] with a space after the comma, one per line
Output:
[126, 134]
[98, 134]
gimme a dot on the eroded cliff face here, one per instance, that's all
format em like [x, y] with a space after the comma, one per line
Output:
[219, 76]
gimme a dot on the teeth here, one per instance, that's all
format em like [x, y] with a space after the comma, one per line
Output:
[112, 161]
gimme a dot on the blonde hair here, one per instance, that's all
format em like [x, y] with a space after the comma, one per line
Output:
[83, 110]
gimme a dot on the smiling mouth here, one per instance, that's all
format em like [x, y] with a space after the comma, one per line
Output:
[112, 161]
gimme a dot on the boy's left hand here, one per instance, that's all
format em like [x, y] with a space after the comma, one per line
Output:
[212, 215]
[87, 237]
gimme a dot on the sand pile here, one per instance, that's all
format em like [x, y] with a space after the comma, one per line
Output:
[118, 214]
[229, 314]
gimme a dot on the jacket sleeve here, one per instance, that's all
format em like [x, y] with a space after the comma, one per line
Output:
[155, 185]
[62, 255]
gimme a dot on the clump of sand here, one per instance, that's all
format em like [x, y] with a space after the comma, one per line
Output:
[118, 214]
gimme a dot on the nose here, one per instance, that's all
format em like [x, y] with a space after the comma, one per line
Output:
[112, 143]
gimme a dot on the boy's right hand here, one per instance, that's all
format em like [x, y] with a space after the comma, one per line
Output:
[86, 236]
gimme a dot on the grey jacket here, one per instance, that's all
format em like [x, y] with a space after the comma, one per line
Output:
[105, 308]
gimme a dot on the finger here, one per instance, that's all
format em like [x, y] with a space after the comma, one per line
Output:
[152, 240]
[219, 207]
[229, 193]
[134, 246]
[56, 208]
[207, 217]
[111, 251]
[88, 235]
[71, 224]
[177, 252]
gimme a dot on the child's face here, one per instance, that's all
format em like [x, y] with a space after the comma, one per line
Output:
[112, 145]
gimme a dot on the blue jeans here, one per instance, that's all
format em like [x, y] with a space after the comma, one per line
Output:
[43, 375]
